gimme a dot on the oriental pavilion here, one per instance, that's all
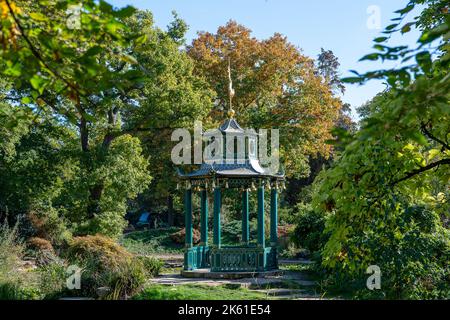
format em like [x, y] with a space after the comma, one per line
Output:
[242, 172]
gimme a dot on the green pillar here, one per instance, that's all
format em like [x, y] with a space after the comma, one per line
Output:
[204, 218]
[217, 207]
[188, 217]
[245, 217]
[273, 217]
[261, 239]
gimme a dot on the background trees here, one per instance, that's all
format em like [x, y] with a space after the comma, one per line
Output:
[88, 86]
[276, 87]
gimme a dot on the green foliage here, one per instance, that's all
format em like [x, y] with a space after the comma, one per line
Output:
[152, 265]
[46, 49]
[14, 291]
[151, 241]
[232, 231]
[277, 86]
[192, 292]
[52, 279]
[106, 264]
[386, 196]
[15, 283]
[309, 228]
[123, 172]
[55, 200]
[11, 251]
[172, 96]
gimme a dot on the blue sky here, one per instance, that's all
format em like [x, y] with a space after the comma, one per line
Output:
[338, 25]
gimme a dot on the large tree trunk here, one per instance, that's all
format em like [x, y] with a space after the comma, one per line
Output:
[96, 192]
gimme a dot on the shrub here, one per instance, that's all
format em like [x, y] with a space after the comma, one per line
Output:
[179, 237]
[412, 250]
[284, 235]
[151, 241]
[39, 244]
[16, 291]
[15, 282]
[48, 224]
[52, 279]
[106, 264]
[152, 265]
[232, 231]
[309, 230]
[11, 251]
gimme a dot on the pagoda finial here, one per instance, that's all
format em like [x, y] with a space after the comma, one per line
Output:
[231, 92]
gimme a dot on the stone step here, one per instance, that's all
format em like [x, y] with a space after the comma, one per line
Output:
[294, 261]
[280, 292]
[301, 297]
[279, 285]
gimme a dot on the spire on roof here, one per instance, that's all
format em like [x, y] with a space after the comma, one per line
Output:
[231, 92]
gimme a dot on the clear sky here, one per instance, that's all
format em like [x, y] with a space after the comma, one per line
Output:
[338, 25]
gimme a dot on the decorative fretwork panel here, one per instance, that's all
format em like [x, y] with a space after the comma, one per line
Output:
[239, 259]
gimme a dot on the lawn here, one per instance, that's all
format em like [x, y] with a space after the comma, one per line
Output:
[198, 292]
[151, 242]
[158, 241]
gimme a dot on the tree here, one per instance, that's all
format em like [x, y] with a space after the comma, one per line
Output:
[171, 97]
[113, 98]
[387, 193]
[328, 67]
[80, 76]
[276, 87]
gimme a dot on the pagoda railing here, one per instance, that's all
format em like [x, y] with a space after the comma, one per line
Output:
[243, 259]
[197, 258]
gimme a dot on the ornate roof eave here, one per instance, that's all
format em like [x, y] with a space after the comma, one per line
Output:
[213, 173]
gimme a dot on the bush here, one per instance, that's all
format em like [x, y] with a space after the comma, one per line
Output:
[412, 250]
[179, 237]
[11, 251]
[16, 291]
[48, 224]
[40, 244]
[152, 265]
[151, 241]
[232, 231]
[309, 230]
[52, 279]
[106, 264]
[15, 282]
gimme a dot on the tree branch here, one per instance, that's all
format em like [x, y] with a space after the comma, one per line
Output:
[432, 137]
[422, 169]
[36, 52]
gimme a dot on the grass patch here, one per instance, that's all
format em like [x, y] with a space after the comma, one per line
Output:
[151, 241]
[171, 270]
[307, 269]
[198, 292]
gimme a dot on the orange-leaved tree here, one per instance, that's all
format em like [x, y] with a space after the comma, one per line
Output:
[276, 87]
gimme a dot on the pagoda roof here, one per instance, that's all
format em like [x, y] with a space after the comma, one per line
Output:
[232, 127]
[244, 168]
[251, 169]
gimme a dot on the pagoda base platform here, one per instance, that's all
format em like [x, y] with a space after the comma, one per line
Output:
[207, 274]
